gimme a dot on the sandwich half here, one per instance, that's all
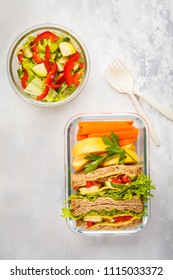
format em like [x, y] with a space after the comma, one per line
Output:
[109, 198]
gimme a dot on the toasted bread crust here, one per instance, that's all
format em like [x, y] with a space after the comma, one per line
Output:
[81, 206]
[79, 178]
[110, 226]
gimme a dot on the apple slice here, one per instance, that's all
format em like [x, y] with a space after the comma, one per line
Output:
[132, 157]
[89, 145]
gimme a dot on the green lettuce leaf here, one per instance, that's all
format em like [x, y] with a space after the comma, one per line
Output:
[67, 213]
[112, 213]
[52, 45]
[140, 186]
[28, 64]
[36, 87]
[28, 41]
[62, 93]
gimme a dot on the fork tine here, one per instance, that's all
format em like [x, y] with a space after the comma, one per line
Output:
[117, 66]
[118, 63]
[113, 68]
[122, 65]
[111, 65]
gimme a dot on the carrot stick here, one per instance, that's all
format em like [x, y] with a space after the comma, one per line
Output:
[129, 121]
[79, 130]
[81, 137]
[106, 130]
[133, 133]
[99, 127]
[123, 142]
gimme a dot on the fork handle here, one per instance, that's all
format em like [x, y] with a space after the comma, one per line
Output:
[156, 105]
[140, 110]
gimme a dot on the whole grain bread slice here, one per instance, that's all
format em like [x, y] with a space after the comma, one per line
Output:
[79, 178]
[81, 206]
[110, 226]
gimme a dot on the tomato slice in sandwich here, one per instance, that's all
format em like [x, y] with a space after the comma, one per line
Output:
[117, 180]
[126, 179]
[122, 218]
[89, 184]
[90, 224]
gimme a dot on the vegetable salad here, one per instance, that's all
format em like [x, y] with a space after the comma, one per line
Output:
[50, 67]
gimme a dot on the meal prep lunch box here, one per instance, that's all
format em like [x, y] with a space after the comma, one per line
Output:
[142, 149]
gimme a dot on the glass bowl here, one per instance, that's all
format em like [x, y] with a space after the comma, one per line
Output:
[13, 62]
[142, 149]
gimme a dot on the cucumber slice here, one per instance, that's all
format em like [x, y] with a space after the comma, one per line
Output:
[66, 48]
[108, 184]
[92, 189]
[40, 70]
[94, 219]
[60, 66]
[76, 66]
[63, 60]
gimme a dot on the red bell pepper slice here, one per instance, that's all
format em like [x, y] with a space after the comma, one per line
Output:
[24, 79]
[45, 35]
[68, 67]
[35, 49]
[37, 58]
[20, 56]
[76, 78]
[81, 65]
[60, 80]
[48, 82]
[47, 58]
[60, 77]
[55, 86]
[51, 74]
[44, 94]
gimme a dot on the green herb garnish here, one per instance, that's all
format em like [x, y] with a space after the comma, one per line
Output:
[112, 148]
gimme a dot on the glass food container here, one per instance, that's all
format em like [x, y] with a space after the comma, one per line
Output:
[142, 149]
